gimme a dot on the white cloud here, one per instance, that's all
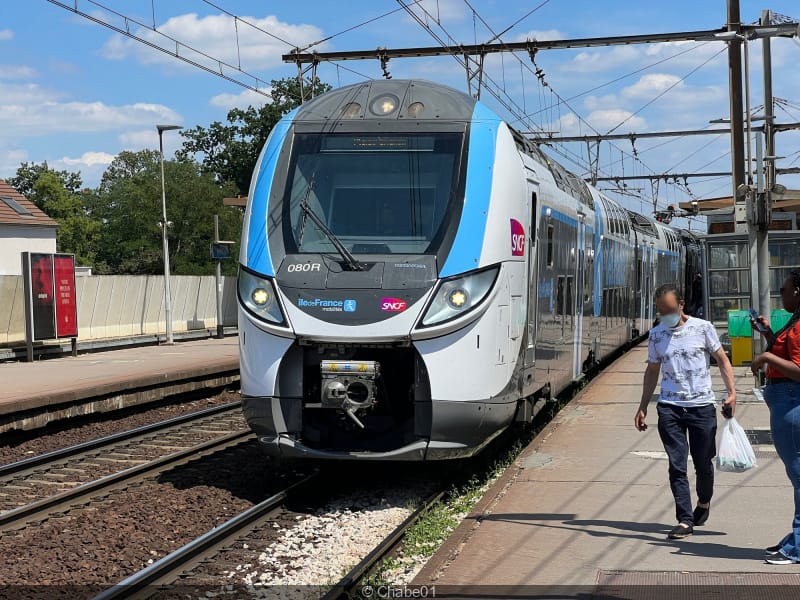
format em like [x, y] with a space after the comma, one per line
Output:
[87, 159]
[215, 35]
[6, 34]
[604, 120]
[681, 55]
[139, 139]
[540, 35]
[441, 10]
[672, 102]
[242, 100]
[591, 62]
[30, 110]
[25, 93]
[91, 165]
[677, 93]
[10, 160]
[17, 72]
[651, 85]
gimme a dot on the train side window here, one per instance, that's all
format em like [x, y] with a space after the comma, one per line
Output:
[549, 245]
[569, 307]
[639, 273]
[560, 295]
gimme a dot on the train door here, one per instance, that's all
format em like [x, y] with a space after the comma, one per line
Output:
[646, 267]
[529, 379]
[577, 302]
[651, 287]
[533, 307]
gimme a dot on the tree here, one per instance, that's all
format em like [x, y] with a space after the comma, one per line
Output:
[78, 232]
[29, 173]
[59, 195]
[129, 203]
[230, 151]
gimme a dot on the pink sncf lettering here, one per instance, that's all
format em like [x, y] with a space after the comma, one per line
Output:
[393, 304]
[517, 238]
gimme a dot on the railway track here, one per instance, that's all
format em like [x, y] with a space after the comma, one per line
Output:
[34, 488]
[348, 586]
[174, 571]
[169, 569]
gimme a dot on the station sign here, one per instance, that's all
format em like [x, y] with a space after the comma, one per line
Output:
[50, 295]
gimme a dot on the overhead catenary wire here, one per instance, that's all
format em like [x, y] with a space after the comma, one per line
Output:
[632, 73]
[492, 90]
[558, 96]
[666, 91]
[354, 27]
[246, 22]
[258, 84]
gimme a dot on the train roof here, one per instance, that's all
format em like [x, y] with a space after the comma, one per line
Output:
[394, 99]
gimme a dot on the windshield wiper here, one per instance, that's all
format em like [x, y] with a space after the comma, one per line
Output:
[307, 210]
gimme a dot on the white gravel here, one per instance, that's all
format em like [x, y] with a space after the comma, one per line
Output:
[323, 546]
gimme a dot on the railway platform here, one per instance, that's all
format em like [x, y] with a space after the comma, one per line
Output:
[33, 394]
[586, 508]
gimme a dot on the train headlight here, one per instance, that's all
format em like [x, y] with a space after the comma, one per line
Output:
[384, 104]
[457, 296]
[258, 296]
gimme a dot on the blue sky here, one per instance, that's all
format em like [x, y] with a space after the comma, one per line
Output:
[75, 93]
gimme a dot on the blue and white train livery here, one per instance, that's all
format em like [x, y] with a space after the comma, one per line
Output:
[415, 276]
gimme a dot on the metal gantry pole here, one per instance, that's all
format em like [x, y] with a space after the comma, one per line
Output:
[220, 327]
[164, 239]
[165, 244]
[736, 108]
[766, 177]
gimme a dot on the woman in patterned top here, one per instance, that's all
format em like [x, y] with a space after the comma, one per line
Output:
[782, 395]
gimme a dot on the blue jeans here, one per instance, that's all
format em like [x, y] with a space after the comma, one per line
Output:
[783, 400]
[700, 423]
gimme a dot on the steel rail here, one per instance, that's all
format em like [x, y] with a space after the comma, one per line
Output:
[167, 569]
[70, 451]
[347, 584]
[40, 509]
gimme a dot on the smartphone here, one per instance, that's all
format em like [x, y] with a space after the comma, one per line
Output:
[760, 327]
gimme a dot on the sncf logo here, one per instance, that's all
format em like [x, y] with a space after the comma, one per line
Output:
[393, 305]
[517, 238]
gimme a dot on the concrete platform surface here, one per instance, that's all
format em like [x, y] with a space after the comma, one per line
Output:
[26, 387]
[588, 504]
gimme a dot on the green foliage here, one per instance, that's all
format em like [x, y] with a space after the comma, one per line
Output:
[115, 228]
[129, 203]
[57, 194]
[29, 173]
[230, 151]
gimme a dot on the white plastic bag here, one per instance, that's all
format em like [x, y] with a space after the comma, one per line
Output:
[735, 452]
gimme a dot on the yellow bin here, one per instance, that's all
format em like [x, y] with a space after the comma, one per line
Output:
[741, 351]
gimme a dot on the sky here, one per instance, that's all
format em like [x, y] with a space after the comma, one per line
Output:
[75, 93]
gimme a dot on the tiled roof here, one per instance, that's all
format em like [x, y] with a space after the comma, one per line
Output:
[20, 210]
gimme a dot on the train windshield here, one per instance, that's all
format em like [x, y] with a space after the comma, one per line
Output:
[376, 194]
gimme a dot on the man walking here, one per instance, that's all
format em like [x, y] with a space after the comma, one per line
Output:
[679, 348]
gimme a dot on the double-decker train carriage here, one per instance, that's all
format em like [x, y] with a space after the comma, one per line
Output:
[415, 276]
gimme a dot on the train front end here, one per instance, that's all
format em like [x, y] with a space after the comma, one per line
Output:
[376, 273]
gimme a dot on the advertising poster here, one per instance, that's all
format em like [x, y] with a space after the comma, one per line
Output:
[42, 296]
[65, 297]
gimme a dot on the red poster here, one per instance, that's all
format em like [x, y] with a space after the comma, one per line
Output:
[42, 304]
[66, 305]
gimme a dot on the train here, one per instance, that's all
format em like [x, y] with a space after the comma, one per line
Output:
[416, 276]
